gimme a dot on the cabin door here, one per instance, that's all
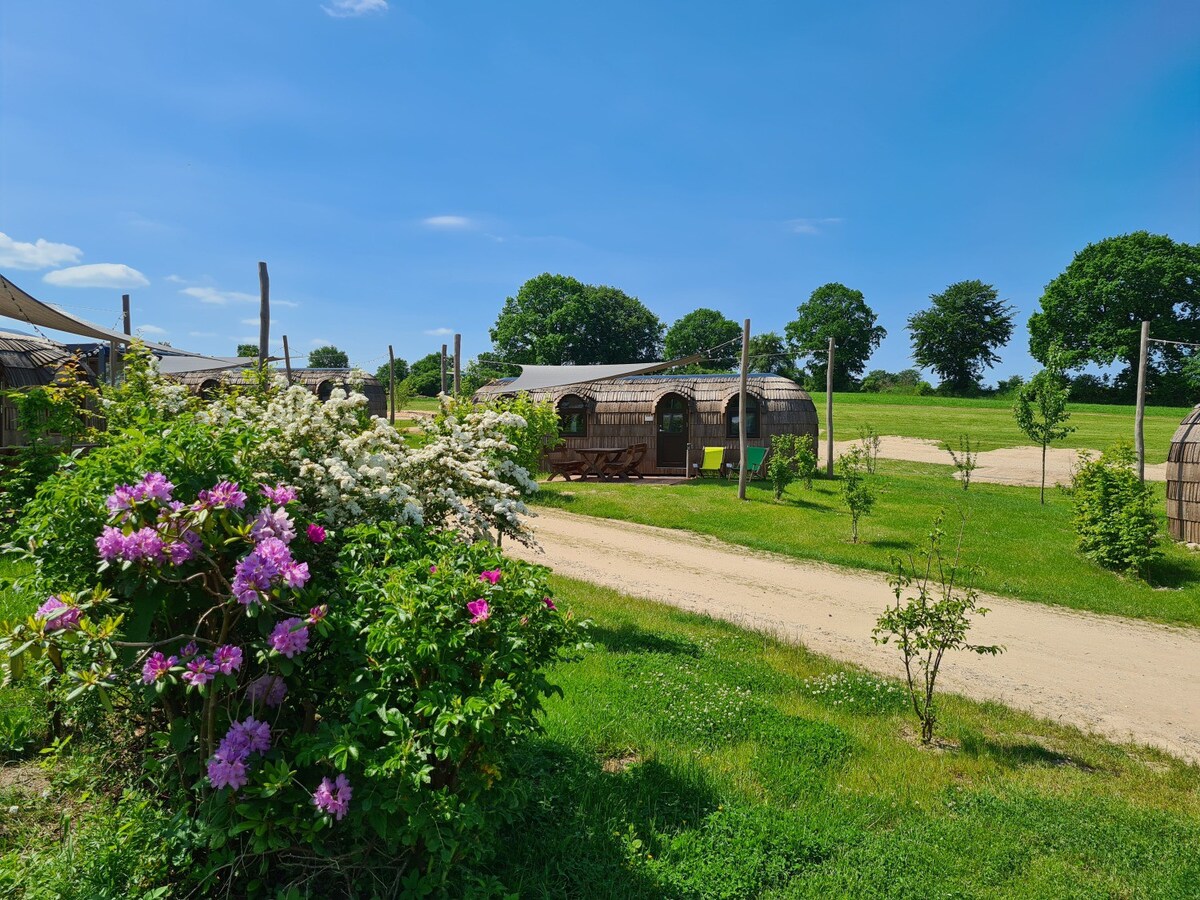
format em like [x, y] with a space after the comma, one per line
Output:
[672, 418]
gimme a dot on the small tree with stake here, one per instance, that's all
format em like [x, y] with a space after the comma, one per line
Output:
[937, 619]
[1041, 408]
[856, 491]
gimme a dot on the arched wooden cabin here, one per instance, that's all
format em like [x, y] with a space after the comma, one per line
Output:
[320, 381]
[676, 416]
[25, 362]
[1183, 480]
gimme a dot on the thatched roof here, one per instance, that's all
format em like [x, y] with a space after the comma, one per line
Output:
[27, 361]
[646, 390]
[1183, 480]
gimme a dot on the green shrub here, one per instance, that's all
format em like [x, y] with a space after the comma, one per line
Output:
[857, 492]
[1115, 517]
[792, 457]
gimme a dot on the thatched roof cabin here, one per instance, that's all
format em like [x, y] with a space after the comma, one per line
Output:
[27, 361]
[677, 416]
[320, 381]
[1183, 480]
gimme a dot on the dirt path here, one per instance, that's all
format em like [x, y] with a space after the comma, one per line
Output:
[1125, 679]
[1008, 465]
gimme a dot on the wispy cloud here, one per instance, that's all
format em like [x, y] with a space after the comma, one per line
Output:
[218, 298]
[347, 9]
[97, 275]
[253, 321]
[439, 332]
[41, 254]
[448, 223]
[151, 329]
[321, 342]
[810, 226]
[175, 279]
[202, 334]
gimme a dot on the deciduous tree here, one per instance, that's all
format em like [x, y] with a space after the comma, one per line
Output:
[705, 329]
[834, 310]
[558, 320]
[328, 357]
[1041, 408]
[958, 335]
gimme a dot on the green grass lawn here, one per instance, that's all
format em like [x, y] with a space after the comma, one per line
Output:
[691, 759]
[991, 421]
[424, 404]
[1024, 550]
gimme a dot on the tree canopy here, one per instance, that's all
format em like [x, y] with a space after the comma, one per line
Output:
[770, 354]
[1095, 308]
[401, 370]
[425, 374]
[704, 329]
[834, 310]
[328, 357]
[558, 320]
[247, 350]
[958, 335]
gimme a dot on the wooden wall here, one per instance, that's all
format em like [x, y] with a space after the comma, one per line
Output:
[1183, 481]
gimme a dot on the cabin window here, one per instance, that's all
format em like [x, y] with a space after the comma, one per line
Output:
[731, 417]
[572, 416]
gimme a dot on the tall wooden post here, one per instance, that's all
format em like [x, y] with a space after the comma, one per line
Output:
[1139, 438]
[443, 368]
[829, 413]
[264, 314]
[457, 363]
[125, 312]
[287, 360]
[391, 385]
[112, 363]
[742, 473]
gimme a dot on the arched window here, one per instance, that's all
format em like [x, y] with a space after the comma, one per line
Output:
[325, 390]
[209, 388]
[572, 416]
[731, 417]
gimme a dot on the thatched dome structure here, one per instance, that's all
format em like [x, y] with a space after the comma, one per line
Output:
[320, 381]
[1183, 480]
[676, 416]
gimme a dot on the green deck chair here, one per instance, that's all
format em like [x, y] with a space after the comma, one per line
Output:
[754, 461]
[714, 461]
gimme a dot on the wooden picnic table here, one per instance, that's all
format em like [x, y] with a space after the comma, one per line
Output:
[595, 457]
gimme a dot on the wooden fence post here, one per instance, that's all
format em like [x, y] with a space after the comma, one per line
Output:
[287, 360]
[1139, 438]
[742, 474]
[264, 314]
[829, 413]
[391, 386]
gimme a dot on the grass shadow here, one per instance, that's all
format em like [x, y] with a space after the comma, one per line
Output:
[1168, 572]
[1018, 755]
[631, 639]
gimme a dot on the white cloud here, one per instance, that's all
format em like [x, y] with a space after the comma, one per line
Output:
[321, 342]
[439, 332]
[175, 279]
[345, 9]
[810, 226]
[448, 223]
[41, 254]
[290, 304]
[219, 298]
[97, 275]
[202, 334]
[150, 329]
[253, 321]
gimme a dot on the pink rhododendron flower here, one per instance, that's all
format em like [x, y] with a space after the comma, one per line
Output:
[200, 671]
[549, 604]
[224, 495]
[273, 524]
[268, 689]
[244, 738]
[111, 543]
[433, 570]
[227, 658]
[479, 611]
[316, 533]
[280, 495]
[230, 773]
[317, 613]
[290, 637]
[145, 544]
[179, 553]
[333, 797]
[189, 649]
[491, 576]
[157, 666]
[296, 575]
[154, 486]
[122, 498]
[59, 616]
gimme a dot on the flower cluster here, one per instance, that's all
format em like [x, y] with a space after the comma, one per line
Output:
[268, 566]
[333, 797]
[153, 486]
[227, 768]
[289, 637]
[59, 615]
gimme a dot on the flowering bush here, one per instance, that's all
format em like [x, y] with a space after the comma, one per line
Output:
[305, 696]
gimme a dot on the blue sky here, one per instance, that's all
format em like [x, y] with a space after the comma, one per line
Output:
[404, 166]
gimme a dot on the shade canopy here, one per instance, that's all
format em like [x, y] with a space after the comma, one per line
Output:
[536, 378]
[179, 365]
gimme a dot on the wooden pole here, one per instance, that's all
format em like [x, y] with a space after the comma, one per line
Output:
[829, 413]
[1139, 438]
[457, 363]
[391, 385]
[287, 360]
[125, 312]
[443, 368]
[264, 314]
[742, 474]
[112, 363]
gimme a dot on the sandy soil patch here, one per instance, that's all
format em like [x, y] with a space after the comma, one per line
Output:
[1125, 679]
[1009, 465]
